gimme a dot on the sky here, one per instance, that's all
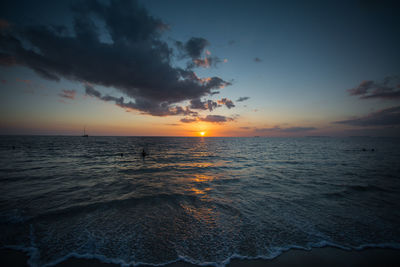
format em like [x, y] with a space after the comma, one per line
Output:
[179, 68]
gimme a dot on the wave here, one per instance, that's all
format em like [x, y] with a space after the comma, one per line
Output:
[33, 255]
[117, 203]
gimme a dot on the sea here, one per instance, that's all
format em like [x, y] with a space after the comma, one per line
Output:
[199, 200]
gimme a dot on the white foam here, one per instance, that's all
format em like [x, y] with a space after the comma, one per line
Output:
[34, 255]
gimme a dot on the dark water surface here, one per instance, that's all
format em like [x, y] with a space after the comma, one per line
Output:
[203, 200]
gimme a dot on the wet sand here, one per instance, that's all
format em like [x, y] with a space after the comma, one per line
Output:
[316, 257]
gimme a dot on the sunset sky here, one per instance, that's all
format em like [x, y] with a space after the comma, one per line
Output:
[178, 68]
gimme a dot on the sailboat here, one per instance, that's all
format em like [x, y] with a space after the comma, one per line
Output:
[84, 132]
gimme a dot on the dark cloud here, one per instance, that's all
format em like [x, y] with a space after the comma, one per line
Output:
[228, 103]
[70, 94]
[216, 119]
[210, 104]
[297, 129]
[134, 60]
[285, 130]
[243, 98]
[389, 88]
[142, 105]
[208, 118]
[384, 117]
[203, 105]
[257, 59]
[92, 92]
[194, 47]
[188, 120]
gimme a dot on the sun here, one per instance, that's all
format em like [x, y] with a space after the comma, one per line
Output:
[202, 133]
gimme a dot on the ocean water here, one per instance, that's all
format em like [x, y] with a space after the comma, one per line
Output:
[202, 200]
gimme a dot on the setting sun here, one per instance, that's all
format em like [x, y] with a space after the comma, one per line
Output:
[202, 133]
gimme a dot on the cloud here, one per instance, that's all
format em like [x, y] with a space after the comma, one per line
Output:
[389, 88]
[210, 104]
[203, 105]
[228, 103]
[206, 62]
[142, 105]
[216, 119]
[257, 59]
[134, 61]
[297, 129]
[194, 47]
[285, 130]
[23, 81]
[384, 117]
[188, 120]
[243, 98]
[70, 94]
[208, 118]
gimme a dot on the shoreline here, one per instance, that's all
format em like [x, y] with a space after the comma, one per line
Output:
[326, 256]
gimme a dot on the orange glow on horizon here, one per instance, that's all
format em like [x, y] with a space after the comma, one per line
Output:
[202, 133]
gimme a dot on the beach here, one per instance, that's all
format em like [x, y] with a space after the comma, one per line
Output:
[316, 257]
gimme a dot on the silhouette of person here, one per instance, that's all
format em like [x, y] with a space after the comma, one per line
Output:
[143, 153]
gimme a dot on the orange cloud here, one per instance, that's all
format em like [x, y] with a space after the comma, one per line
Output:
[23, 81]
[70, 94]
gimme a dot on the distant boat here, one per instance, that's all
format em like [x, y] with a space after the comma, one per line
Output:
[84, 132]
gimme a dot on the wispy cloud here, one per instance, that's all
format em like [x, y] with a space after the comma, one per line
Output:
[285, 130]
[384, 117]
[188, 120]
[24, 81]
[243, 98]
[209, 118]
[70, 94]
[389, 88]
